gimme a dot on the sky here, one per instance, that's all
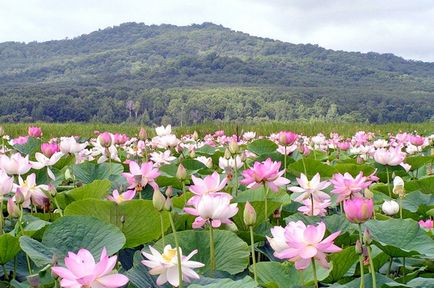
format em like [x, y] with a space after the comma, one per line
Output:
[401, 27]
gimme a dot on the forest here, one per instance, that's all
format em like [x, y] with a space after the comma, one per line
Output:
[153, 74]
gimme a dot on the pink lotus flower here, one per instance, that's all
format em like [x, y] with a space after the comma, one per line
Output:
[391, 157]
[319, 207]
[166, 265]
[120, 138]
[70, 145]
[310, 188]
[105, 139]
[48, 149]
[209, 184]
[344, 146]
[267, 173]
[417, 140]
[82, 271]
[346, 186]
[287, 138]
[300, 243]
[6, 184]
[213, 208]
[140, 176]
[358, 210]
[21, 140]
[119, 198]
[427, 224]
[16, 164]
[35, 132]
[32, 193]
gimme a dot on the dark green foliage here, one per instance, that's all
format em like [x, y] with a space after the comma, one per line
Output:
[191, 74]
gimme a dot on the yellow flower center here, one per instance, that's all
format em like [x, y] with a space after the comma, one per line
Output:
[169, 254]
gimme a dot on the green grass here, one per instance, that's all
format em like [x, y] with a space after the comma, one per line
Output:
[307, 128]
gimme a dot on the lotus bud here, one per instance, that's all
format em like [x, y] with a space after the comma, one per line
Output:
[34, 281]
[231, 227]
[13, 209]
[233, 147]
[398, 186]
[249, 215]
[169, 191]
[367, 239]
[68, 174]
[227, 154]
[48, 149]
[105, 139]
[358, 210]
[287, 138]
[369, 194]
[19, 197]
[52, 190]
[181, 173]
[142, 134]
[158, 200]
[35, 132]
[390, 207]
[358, 247]
[168, 204]
[195, 136]
[192, 153]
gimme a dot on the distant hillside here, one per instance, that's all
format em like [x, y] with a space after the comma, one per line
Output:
[191, 74]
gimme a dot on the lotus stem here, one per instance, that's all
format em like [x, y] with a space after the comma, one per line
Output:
[211, 248]
[252, 242]
[362, 272]
[388, 182]
[315, 277]
[178, 252]
[162, 229]
[371, 263]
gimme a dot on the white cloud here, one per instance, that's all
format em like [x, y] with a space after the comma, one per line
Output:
[401, 27]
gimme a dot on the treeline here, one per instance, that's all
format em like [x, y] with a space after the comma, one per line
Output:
[190, 74]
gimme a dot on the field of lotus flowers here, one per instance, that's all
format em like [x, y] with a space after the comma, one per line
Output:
[280, 211]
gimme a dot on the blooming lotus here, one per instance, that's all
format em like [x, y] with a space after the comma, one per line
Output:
[346, 185]
[32, 192]
[427, 224]
[212, 208]
[163, 131]
[161, 158]
[300, 244]
[229, 163]
[311, 188]
[16, 164]
[48, 149]
[120, 138]
[417, 140]
[166, 265]
[21, 140]
[207, 161]
[82, 271]
[70, 145]
[319, 207]
[6, 184]
[119, 198]
[209, 184]
[391, 157]
[266, 173]
[44, 161]
[140, 176]
[35, 132]
[358, 210]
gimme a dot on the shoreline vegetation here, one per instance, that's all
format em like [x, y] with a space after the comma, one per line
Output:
[305, 127]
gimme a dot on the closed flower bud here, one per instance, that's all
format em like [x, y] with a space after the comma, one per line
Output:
[398, 186]
[227, 154]
[369, 194]
[169, 191]
[19, 197]
[390, 207]
[168, 204]
[249, 215]
[181, 173]
[158, 200]
[142, 134]
[13, 209]
[233, 147]
[192, 153]
[359, 247]
[195, 136]
[105, 139]
[358, 210]
[367, 237]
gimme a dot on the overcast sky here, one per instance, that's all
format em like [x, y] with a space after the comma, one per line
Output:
[402, 27]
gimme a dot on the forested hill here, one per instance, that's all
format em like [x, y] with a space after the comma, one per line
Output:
[189, 74]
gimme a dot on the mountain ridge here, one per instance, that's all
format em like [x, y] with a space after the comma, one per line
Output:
[133, 58]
